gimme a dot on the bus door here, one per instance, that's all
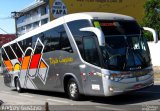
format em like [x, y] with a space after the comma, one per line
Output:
[90, 73]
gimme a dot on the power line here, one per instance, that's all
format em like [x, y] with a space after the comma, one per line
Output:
[3, 30]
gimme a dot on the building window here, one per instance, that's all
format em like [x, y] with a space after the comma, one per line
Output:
[43, 10]
[44, 21]
[35, 24]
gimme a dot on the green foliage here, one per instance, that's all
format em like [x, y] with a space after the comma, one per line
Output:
[149, 36]
[152, 16]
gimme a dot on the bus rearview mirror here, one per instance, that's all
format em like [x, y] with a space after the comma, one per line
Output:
[98, 32]
[154, 33]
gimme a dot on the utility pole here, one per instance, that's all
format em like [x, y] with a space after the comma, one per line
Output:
[16, 15]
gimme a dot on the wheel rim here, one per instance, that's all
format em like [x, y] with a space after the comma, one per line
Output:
[73, 89]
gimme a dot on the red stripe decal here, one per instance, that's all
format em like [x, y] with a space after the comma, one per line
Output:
[20, 59]
[35, 61]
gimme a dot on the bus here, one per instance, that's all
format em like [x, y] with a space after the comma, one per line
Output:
[90, 53]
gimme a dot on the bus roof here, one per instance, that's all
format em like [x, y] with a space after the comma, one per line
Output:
[72, 17]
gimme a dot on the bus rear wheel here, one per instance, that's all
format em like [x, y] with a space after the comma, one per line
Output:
[73, 90]
[18, 86]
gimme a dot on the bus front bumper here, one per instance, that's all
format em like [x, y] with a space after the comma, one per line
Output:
[115, 88]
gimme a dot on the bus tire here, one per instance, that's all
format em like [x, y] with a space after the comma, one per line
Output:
[73, 90]
[18, 86]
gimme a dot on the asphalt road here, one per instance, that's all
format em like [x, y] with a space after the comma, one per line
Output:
[148, 99]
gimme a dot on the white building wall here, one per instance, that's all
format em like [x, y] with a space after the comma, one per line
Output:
[155, 53]
[33, 19]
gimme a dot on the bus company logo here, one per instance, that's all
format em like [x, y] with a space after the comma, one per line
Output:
[30, 66]
[58, 9]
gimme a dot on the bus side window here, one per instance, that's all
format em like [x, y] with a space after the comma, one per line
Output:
[21, 45]
[4, 56]
[10, 53]
[54, 39]
[90, 51]
[17, 50]
[45, 38]
[64, 42]
[34, 40]
[28, 42]
[79, 42]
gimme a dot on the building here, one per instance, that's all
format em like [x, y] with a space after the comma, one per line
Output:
[32, 16]
[43, 11]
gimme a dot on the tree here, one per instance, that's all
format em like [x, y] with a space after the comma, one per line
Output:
[152, 15]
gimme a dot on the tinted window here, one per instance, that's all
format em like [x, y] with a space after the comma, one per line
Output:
[10, 53]
[51, 39]
[38, 48]
[75, 27]
[36, 44]
[117, 27]
[21, 45]
[90, 51]
[4, 55]
[45, 38]
[79, 42]
[54, 35]
[26, 43]
[17, 50]
[64, 42]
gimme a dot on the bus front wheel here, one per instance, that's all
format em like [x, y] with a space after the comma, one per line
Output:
[73, 90]
[18, 86]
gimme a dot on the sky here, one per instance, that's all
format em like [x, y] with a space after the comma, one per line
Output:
[6, 7]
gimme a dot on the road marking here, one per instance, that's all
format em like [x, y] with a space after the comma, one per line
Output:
[149, 92]
[25, 95]
[109, 108]
[5, 92]
[54, 100]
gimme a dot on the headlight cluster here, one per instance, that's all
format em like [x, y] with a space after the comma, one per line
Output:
[129, 74]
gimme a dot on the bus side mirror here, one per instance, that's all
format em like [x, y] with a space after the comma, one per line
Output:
[154, 33]
[98, 32]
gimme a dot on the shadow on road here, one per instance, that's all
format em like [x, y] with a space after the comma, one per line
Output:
[1, 102]
[44, 93]
[149, 94]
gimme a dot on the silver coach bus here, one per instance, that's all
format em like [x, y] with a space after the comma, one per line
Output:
[100, 54]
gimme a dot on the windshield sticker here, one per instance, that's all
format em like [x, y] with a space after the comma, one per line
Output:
[97, 24]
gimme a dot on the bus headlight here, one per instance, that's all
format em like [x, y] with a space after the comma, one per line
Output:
[113, 76]
[111, 89]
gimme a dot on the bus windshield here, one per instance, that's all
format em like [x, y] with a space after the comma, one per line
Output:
[126, 47]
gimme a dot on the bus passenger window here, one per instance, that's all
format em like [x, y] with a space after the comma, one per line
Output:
[17, 50]
[90, 51]
[10, 53]
[4, 56]
[54, 39]
[64, 42]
